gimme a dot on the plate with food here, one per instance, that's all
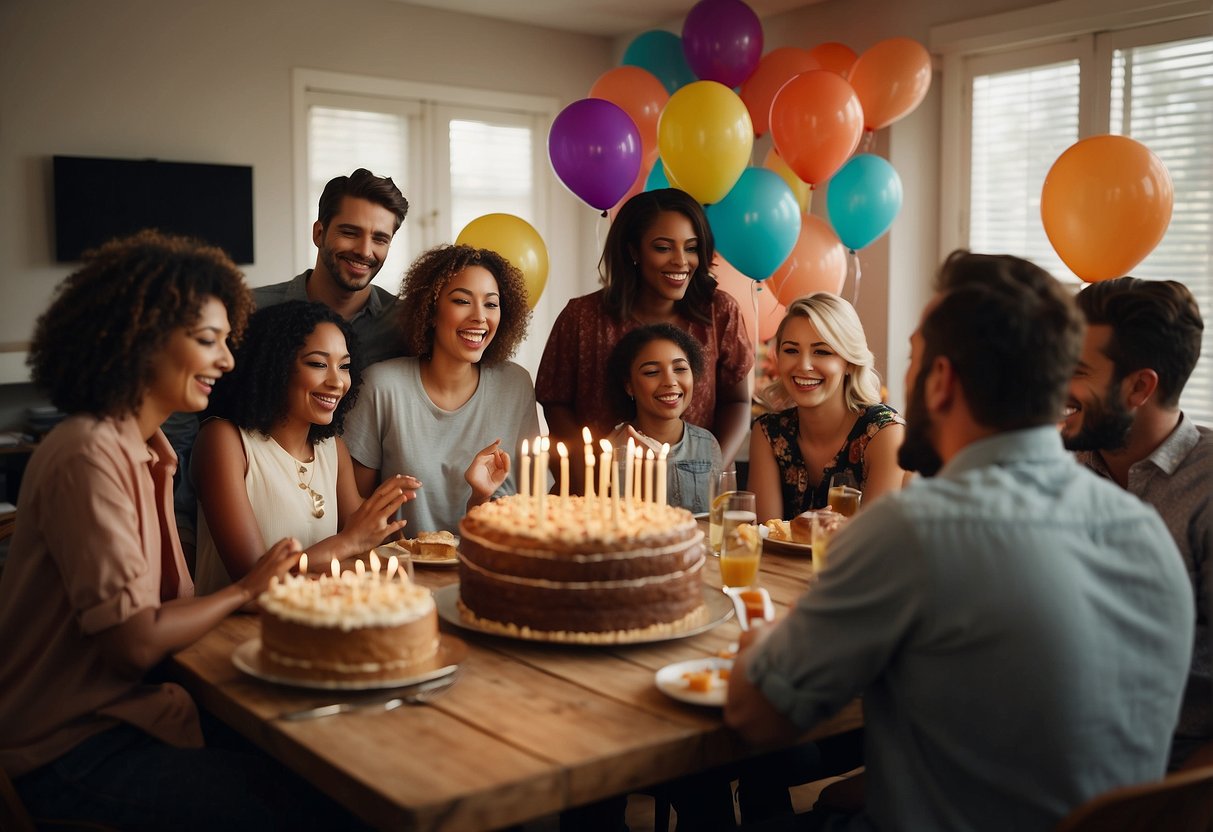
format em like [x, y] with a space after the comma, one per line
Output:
[698, 681]
[783, 537]
[432, 548]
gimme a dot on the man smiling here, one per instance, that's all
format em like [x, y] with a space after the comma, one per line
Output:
[1123, 416]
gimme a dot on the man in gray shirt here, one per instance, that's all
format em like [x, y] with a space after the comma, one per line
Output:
[358, 217]
[1143, 340]
[1020, 629]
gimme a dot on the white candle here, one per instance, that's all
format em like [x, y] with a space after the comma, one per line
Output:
[524, 487]
[541, 480]
[564, 469]
[359, 568]
[540, 473]
[589, 475]
[605, 466]
[374, 559]
[393, 563]
[614, 495]
[335, 568]
[627, 470]
[638, 476]
[662, 473]
[648, 476]
[303, 563]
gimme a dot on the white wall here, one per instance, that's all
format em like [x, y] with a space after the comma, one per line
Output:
[211, 82]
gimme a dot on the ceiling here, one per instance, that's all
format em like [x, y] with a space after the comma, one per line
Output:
[609, 18]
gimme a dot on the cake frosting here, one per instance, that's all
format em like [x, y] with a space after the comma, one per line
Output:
[351, 628]
[582, 573]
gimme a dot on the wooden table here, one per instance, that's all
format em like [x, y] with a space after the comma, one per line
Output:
[528, 729]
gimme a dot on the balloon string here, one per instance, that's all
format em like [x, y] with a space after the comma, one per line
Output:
[858, 273]
[869, 139]
[808, 199]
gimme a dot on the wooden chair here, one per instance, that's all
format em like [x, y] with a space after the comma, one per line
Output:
[1181, 802]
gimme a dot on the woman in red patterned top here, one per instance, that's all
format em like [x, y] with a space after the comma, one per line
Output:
[654, 269]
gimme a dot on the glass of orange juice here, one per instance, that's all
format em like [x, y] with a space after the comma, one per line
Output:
[844, 493]
[741, 545]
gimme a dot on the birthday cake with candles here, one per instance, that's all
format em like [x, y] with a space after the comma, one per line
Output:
[581, 569]
[364, 626]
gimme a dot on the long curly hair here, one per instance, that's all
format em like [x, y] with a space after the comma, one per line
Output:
[619, 365]
[618, 269]
[255, 395]
[428, 277]
[93, 347]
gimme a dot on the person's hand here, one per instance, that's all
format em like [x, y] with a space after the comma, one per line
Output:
[620, 435]
[758, 631]
[280, 559]
[488, 471]
[374, 520]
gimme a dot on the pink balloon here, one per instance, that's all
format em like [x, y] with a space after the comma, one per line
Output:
[818, 263]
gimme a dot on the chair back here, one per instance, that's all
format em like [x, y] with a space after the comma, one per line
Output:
[1180, 802]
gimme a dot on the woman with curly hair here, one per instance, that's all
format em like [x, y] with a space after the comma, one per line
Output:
[272, 459]
[835, 421]
[448, 411]
[96, 591]
[655, 268]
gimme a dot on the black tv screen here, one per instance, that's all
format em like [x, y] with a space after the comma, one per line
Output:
[99, 199]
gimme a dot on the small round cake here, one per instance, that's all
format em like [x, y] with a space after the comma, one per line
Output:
[587, 573]
[347, 629]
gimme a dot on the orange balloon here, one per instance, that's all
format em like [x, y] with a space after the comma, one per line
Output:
[801, 190]
[816, 124]
[642, 176]
[639, 94]
[774, 70]
[891, 79]
[1106, 203]
[770, 312]
[740, 287]
[818, 263]
[834, 57]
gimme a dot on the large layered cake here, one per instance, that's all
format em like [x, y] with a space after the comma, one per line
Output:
[583, 574]
[353, 628]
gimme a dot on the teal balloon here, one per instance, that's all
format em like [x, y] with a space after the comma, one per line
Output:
[864, 198]
[657, 178]
[661, 53]
[757, 223]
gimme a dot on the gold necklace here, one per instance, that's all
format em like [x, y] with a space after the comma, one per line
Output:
[317, 498]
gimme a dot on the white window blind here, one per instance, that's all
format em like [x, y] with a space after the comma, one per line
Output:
[1162, 95]
[491, 171]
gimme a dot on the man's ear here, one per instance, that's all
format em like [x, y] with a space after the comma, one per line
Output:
[1139, 386]
[317, 233]
[940, 390]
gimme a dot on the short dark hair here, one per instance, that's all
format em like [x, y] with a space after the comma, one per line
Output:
[362, 184]
[619, 365]
[1155, 324]
[254, 395]
[92, 348]
[1012, 334]
[429, 275]
[618, 270]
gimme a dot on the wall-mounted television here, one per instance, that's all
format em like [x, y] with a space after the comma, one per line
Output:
[99, 199]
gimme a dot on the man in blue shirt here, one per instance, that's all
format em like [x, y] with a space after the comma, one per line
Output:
[1015, 624]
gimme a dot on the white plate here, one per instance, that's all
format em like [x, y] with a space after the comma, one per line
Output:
[419, 560]
[670, 681]
[451, 651]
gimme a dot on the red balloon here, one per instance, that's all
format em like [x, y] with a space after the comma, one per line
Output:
[818, 263]
[774, 70]
[639, 94]
[816, 124]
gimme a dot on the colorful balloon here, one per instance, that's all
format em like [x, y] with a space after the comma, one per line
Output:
[770, 313]
[863, 200]
[1106, 203]
[638, 93]
[757, 223]
[816, 124]
[657, 179]
[800, 189]
[818, 263]
[722, 40]
[834, 57]
[705, 136]
[891, 79]
[516, 240]
[774, 70]
[661, 54]
[595, 150]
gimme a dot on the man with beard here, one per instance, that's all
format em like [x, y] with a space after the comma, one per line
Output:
[1019, 628]
[1123, 417]
[359, 215]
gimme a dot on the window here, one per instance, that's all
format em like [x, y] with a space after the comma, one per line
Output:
[1012, 108]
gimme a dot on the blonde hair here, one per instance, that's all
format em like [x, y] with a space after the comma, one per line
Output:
[839, 326]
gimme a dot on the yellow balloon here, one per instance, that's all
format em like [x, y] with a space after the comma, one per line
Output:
[800, 189]
[705, 136]
[516, 240]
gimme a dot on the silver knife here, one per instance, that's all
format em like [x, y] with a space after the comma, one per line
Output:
[414, 695]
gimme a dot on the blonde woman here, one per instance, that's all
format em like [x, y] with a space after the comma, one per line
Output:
[828, 416]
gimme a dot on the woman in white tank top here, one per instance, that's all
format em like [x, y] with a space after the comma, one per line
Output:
[271, 463]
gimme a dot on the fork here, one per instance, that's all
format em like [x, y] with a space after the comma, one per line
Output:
[423, 693]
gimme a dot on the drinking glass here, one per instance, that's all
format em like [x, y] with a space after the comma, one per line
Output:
[844, 493]
[740, 548]
[721, 484]
[825, 524]
[404, 557]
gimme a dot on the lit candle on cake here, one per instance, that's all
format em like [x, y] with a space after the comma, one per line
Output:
[564, 469]
[661, 473]
[627, 470]
[589, 463]
[335, 568]
[638, 476]
[359, 568]
[303, 563]
[541, 479]
[375, 563]
[647, 496]
[393, 563]
[614, 491]
[524, 484]
[540, 473]
[605, 465]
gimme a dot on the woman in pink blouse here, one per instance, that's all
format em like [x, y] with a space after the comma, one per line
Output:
[654, 269]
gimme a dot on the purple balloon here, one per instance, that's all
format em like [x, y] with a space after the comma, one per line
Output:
[722, 40]
[595, 149]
